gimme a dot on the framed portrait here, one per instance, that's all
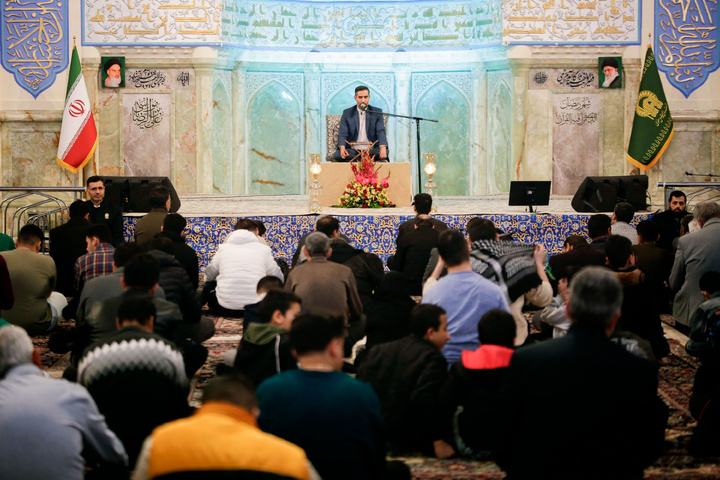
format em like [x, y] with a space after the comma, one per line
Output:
[610, 72]
[112, 72]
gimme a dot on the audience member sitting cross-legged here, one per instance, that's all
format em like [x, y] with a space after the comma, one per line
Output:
[136, 377]
[407, 375]
[704, 343]
[327, 287]
[233, 273]
[36, 307]
[580, 406]
[221, 440]
[336, 419]
[469, 398]
[463, 294]
[265, 347]
[49, 428]
[640, 307]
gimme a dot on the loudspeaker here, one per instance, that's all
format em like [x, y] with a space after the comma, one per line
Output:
[132, 194]
[601, 194]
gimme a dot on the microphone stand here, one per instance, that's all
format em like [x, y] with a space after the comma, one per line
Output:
[417, 129]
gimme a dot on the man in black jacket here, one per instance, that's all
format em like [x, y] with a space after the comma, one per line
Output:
[413, 253]
[265, 347]
[172, 228]
[407, 375]
[367, 267]
[610, 422]
[67, 244]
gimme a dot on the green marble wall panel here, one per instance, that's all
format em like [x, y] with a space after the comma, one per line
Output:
[275, 141]
[448, 138]
[499, 132]
[345, 98]
[222, 173]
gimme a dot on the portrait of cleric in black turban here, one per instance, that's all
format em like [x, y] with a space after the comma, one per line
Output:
[610, 73]
[113, 72]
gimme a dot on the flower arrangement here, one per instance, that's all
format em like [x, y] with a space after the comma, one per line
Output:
[366, 191]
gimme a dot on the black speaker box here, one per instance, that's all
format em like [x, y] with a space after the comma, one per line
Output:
[601, 194]
[132, 194]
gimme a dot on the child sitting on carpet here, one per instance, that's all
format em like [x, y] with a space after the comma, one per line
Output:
[470, 394]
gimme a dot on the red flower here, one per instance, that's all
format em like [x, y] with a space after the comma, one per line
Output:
[364, 206]
[348, 185]
[344, 202]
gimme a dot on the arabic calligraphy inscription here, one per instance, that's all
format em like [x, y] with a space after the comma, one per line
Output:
[35, 47]
[557, 78]
[686, 42]
[147, 113]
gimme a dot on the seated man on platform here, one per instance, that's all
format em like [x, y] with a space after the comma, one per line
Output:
[361, 123]
[103, 211]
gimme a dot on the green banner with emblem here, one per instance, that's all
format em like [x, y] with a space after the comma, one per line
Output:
[653, 125]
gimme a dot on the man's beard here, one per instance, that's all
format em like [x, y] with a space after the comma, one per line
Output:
[114, 82]
[609, 79]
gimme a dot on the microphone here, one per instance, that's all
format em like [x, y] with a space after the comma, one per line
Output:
[363, 107]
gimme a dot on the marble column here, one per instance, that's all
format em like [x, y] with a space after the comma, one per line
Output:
[312, 70]
[403, 106]
[239, 142]
[520, 68]
[204, 112]
[478, 131]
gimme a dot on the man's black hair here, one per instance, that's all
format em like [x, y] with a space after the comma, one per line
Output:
[276, 300]
[677, 194]
[481, 229]
[93, 179]
[360, 88]
[422, 203]
[234, 388]
[159, 196]
[125, 251]
[313, 333]
[174, 222]
[575, 241]
[246, 224]
[648, 230]
[425, 316]
[618, 250]
[142, 272]
[598, 225]
[137, 308]
[497, 327]
[453, 247]
[78, 209]
[327, 225]
[30, 235]
[164, 244]
[267, 283]
[624, 212]
[260, 228]
[101, 232]
[710, 282]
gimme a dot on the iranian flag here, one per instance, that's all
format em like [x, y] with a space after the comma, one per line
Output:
[78, 136]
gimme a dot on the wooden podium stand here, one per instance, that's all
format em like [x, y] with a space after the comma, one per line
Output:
[334, 177]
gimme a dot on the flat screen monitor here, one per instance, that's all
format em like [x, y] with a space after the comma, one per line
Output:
[529, 194]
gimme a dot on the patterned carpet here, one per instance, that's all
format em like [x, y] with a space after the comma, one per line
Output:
[675, 388]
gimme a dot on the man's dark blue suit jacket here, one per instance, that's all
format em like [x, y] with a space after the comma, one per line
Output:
[349, 125]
